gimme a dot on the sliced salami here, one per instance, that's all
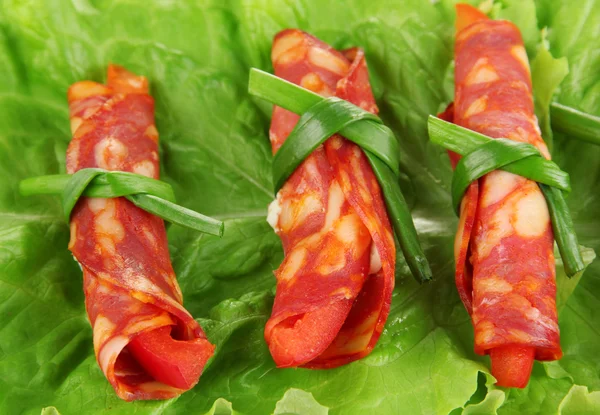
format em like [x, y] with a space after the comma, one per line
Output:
[504, 245]
[146, 343]
[335, 284]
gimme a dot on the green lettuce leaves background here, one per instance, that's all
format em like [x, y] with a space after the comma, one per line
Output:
[216, 154]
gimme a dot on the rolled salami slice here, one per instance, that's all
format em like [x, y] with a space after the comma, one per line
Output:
[504, 244]
[335, 284]
[146, 343]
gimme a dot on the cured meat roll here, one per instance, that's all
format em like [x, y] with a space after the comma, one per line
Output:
[504, 245]
[146, 343]
[335, 284]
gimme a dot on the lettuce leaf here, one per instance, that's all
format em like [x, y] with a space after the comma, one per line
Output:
[547, 73]
[216, 154]
[298, 402]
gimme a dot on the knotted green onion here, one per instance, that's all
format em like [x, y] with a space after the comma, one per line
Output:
[316, 125]
[482, 155]
[320, 119]
[151, 195]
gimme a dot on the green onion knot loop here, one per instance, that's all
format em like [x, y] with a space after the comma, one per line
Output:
[153, 196]
[482, 154]
[320, 118]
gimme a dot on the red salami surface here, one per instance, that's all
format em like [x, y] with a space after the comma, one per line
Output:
[504, 245]
[335, 284]
[146, 343]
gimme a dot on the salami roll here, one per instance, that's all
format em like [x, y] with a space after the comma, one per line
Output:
[146, 343]
[335, 283]
[504, 245]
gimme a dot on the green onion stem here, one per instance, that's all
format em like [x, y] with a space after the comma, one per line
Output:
[575, 123]
[562, 225]
[152, 195]
[179, 215]
[44, 185]
[401, 220]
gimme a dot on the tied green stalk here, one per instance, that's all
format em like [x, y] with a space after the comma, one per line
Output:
[320, 119]
[575, 123]
[482, 155]
[153, 196]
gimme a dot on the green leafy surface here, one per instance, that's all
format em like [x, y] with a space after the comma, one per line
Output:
[215, 152]
[547, 73]
[298, 402]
